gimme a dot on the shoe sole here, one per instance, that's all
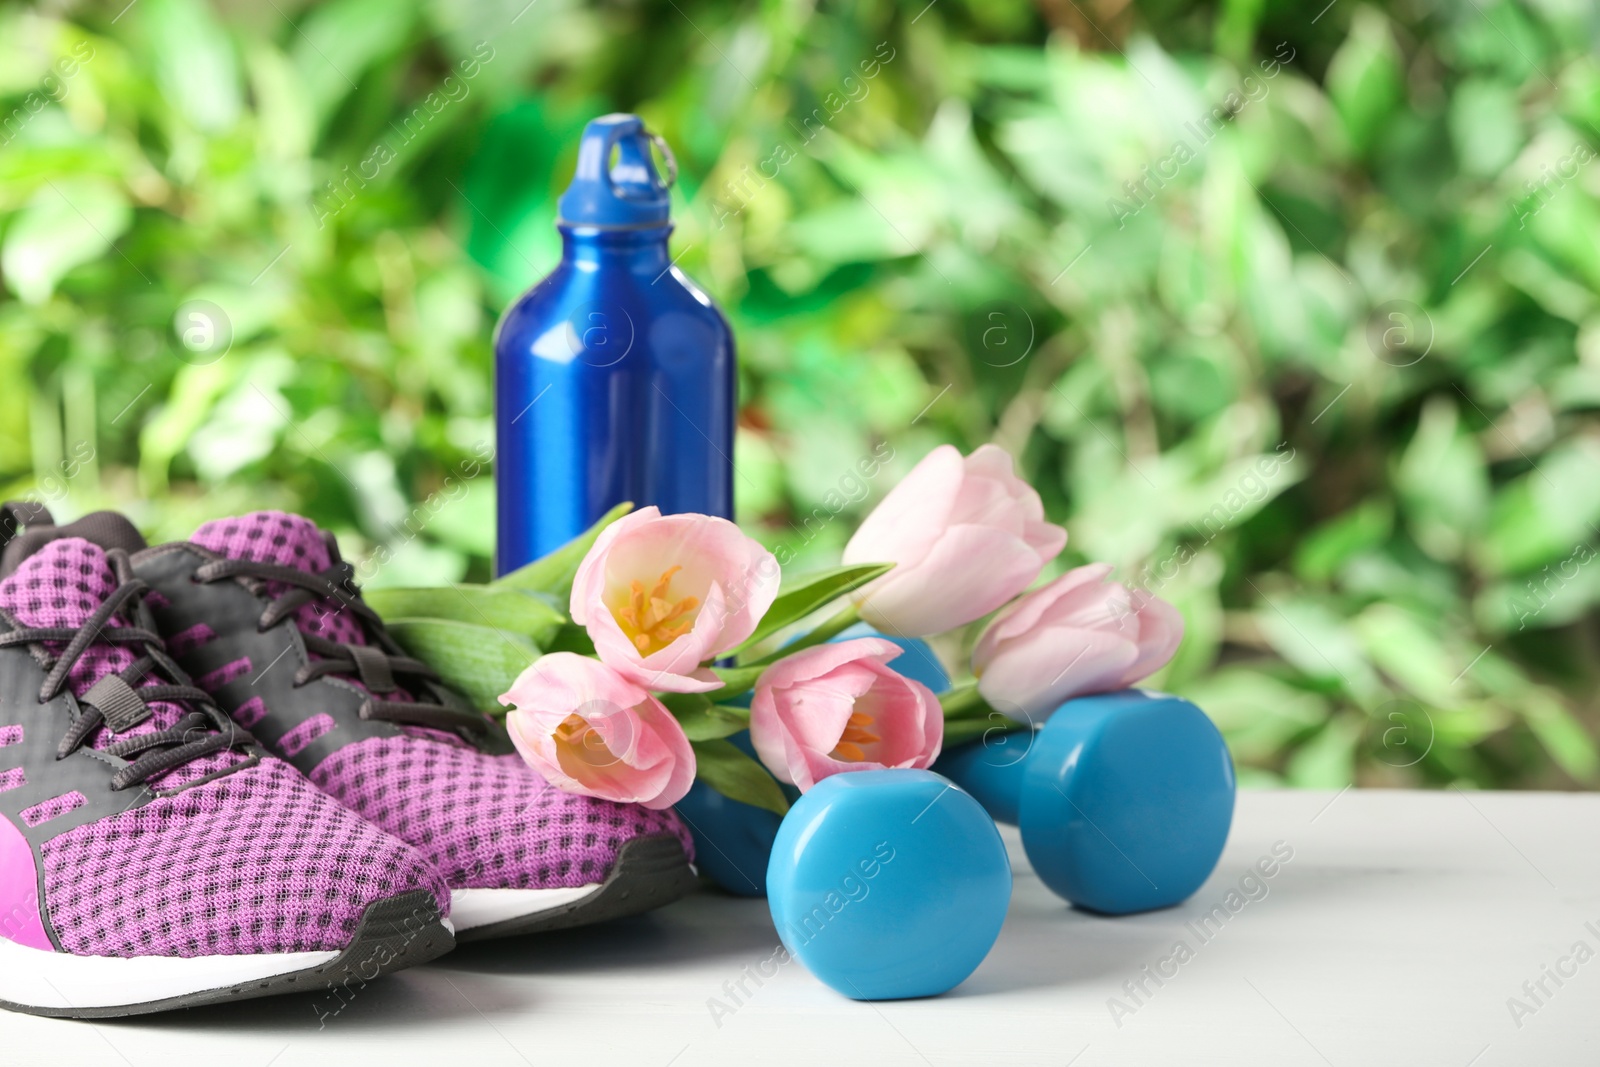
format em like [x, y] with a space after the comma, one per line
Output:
[401, 931]
[649, 872]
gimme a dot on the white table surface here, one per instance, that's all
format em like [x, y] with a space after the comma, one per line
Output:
[1395, 935]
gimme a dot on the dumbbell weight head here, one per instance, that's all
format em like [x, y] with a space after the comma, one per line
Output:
[888, 884]
[1124, 799]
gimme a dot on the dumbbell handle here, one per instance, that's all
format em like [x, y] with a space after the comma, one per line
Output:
[992, 770]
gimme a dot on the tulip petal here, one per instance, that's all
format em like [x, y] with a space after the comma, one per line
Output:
[910, 517]
[628, 748]
[1160, 633]
[950, 517]
[1032, 678]
[588, 584]
[818, 660]
[970, 571]
[694, 582]
[804, 703]
[1029, 610]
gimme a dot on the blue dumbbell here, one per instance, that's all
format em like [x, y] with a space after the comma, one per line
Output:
[888, 884]
[733, 841]
[1124, 799]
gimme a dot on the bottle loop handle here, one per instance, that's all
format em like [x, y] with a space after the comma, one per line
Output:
[666, 154]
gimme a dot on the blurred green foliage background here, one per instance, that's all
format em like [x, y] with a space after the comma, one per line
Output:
[1291, 314]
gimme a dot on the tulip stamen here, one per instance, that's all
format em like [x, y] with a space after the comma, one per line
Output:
[571, 729]
[581, 740]
[656, 620]
[856, 734]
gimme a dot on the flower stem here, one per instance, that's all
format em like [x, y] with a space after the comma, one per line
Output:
[963, 701]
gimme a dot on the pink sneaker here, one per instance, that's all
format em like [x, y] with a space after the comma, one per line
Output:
[152, 854]
[265, 614]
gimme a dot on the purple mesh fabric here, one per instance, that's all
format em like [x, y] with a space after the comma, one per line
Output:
[291, 541]
[295, 741]
[186, 641]
[224, 674]
[486, 822]
[54, 808]
[15, 778]
[250, 713]
[254, 862]
[61, 585]
[10, 735]
[288, 541]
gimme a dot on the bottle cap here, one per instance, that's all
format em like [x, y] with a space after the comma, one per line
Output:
[616, 184]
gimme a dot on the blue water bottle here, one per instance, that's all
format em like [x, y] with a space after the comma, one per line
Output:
[614, 376]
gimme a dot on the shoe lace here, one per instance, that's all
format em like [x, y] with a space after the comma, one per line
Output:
[380, 668]
[120, 701]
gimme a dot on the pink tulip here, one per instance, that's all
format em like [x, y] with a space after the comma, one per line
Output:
[838, 707]
[588, 730]
[965, 535]
[661, 595]
[1078, 634]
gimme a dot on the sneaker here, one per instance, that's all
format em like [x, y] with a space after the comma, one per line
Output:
[265, 614]
[152, 854]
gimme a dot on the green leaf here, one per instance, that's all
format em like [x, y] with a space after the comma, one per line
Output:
[1485, 125]
[515, 610]
[1562, 735]
[1541, 516]
[809, 592]
[1314, 638]
[1443, 481]
[1408, 649]
[720, 765]
[1330, 546]
[1259, 714]
[67, 223]
[735, 680]
[195, 65]
[479, 662]
[553, 574]
[1364, 78]
[337, 41]
[681, 704]
[1326, 760]
[570, 637]
[704, 721]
